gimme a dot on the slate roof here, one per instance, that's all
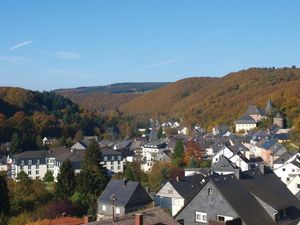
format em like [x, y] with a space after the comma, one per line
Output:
[245, 119]
[224, 164]
[109, 151]
[152, 216]
[269, 188]
[241, 200]
[127, 194]
[252, 110]
[283, 158]
[187, 186]
[268, 143]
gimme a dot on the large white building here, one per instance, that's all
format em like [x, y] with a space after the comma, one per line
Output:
[150, 150]
[36, 163]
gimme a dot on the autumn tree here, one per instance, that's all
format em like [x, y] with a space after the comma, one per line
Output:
[4, 203]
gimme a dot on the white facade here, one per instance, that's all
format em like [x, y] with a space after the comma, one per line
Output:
[223, 152]
[168, 191]
[294, 186]
[149, 153]
[238, 161]
[113, 164]
[34, 171]
[244, 127]
[287, 172]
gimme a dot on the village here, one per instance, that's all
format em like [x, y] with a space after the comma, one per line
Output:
[244, 175]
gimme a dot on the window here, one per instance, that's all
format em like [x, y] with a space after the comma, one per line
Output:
[201, 217]
[37, 172]
[112, 168]
[29, 172]
[210, 191]
[37, 166]
[293, 170]
[119, 157]
[118, 210]
[22, 162]
[298, 186]
[21, 167]
[287, 179]
[119, 167]
[224, 218]
[170, 191]
[105, 158]
[112, 158]
[283, 169]
[29, 162]
[29, 167]
[37, 161]
[104, 208]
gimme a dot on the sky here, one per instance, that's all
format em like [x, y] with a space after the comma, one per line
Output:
[46, 45]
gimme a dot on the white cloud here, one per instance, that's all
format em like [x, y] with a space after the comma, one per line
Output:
[159, 64]
[15, 59]
[19, 45]
[66, 55]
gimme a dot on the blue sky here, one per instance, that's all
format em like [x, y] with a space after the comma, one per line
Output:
[46, 45]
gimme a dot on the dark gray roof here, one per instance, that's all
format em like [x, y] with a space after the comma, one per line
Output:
[270, 189]
[224, 164]
[32, 154]
[283, 158]
[189, 185]
[75, 155]
[245, 119]
[129, 193]
[252, 110]
[268, 143]
[241, 200]
[109, 151]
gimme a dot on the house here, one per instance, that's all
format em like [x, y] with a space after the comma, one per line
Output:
[244, 123]
[224, 166]
[149, 216]
[176, 192]
[289, 170]
[254, 197]
[294, 186]
[149, 153]
[74, 155]
[269, 150]
[81, 145]
[121, 197]
[256, 113]
[112, 161]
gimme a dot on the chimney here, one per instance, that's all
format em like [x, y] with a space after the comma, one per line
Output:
[86, 219]
[262, 168]
[237, 173]
[139, 219]
[124, 181]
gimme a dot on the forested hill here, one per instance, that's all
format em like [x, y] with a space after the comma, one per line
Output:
[108, 97]
[212, 101]
[28, 116]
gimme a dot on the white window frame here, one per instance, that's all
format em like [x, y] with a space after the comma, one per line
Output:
[118, 211]
[201, 217]
[226, 218]
[104, 208]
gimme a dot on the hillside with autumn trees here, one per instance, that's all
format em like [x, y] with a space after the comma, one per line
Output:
[28, 116]
[212, 101]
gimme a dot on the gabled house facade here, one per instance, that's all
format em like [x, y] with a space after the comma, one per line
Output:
[121, 197]
[254, 197]
[176, 192]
